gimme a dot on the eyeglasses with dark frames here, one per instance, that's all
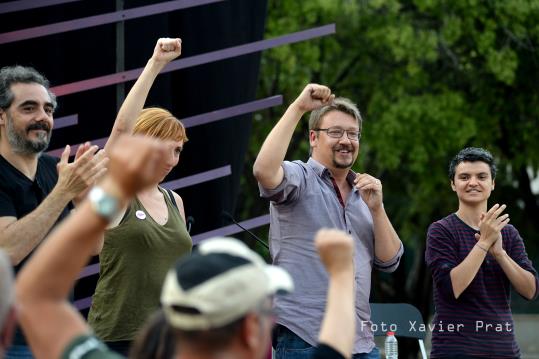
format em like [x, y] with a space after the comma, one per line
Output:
[337, 132]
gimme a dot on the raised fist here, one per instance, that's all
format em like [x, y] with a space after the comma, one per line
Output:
[335, 248]
[166, 50]
[313, 97]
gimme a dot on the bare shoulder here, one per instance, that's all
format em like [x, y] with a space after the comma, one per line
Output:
[178, 199]
[179, 202]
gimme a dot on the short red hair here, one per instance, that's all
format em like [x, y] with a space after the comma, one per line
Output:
[160, 123]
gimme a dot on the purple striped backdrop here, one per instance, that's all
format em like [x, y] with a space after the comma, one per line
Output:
[89, 270]
[12, 6]
[233, 111]
[204, 118]
[65, 121]
[58, 152]
[196, 120]
[208, 57]
[83, 303]
[198, 178]
[97, 20]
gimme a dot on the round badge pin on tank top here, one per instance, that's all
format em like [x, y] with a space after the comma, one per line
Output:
[140, 214]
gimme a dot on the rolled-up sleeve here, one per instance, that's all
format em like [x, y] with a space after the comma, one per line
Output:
[390, 265]
[290, 187]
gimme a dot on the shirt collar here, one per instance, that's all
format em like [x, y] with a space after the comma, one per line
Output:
[322, 171]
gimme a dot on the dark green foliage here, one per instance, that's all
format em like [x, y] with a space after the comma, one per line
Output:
[430, 78]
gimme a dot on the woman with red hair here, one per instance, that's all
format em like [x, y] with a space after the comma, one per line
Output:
[150, 234]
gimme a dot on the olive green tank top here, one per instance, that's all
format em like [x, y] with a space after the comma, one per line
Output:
[135, 258]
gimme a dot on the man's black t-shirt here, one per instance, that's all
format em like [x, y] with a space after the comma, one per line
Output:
[19, 195]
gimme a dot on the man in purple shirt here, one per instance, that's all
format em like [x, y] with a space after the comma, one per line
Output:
[323, 192]
[476, 257]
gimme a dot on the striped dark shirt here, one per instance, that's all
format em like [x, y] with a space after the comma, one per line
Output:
[478, 323]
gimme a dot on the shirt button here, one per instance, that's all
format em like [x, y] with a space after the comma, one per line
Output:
[349, 232]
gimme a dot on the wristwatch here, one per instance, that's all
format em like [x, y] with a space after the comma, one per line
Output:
[104, 204]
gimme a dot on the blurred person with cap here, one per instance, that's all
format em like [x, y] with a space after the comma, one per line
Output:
[218, 301]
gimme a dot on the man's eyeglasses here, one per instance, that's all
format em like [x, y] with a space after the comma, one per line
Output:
[337, 132]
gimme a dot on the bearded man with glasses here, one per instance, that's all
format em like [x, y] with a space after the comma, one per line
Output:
[322, 192]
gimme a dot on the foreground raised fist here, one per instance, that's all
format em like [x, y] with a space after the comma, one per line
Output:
[336, 249]
[134, 163]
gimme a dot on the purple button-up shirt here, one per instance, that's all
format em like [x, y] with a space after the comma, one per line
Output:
[304, 202]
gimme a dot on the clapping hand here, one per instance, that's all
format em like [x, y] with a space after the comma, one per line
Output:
[490, 227]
